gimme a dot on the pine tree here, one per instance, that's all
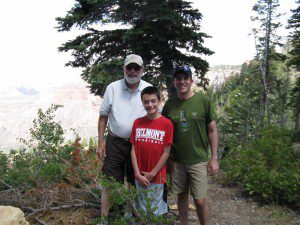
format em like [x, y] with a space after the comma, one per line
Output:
[294, 25]
[266, 39]
[164, 32]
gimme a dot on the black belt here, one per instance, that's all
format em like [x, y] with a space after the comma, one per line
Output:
[124, 140]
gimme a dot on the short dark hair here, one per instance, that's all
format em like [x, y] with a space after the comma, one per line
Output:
[150, 90]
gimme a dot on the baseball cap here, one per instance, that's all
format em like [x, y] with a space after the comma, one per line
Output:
[133, 58]
[184, 69]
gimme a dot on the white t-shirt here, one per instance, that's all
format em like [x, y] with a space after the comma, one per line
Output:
[122, 106]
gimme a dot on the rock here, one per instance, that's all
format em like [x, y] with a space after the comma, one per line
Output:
[12, 216]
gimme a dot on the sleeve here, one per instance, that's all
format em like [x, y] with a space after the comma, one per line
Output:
[169, 133]
[107, 101]
[132, 135]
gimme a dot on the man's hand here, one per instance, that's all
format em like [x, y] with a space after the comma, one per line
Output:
[213, 167]
[101, 150]
[142, 180]
[148, 176]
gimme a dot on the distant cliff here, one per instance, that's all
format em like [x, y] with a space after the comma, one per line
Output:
[217, 75]
[19, 106]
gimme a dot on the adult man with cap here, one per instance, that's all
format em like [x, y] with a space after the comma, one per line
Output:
[121, 105]
[194, 130]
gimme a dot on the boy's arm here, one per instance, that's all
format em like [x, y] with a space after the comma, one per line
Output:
[161, 162]
[141, 179]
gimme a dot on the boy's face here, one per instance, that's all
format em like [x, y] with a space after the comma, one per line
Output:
[150, 103]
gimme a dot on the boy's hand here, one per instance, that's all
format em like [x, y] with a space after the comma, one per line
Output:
[143, 180]
[148, 176]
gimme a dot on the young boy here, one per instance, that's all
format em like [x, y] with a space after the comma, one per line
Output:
[151, 140]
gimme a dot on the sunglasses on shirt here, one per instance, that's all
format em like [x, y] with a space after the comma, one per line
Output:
[130, 67]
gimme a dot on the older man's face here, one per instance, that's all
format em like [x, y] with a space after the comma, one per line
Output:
[133, 73]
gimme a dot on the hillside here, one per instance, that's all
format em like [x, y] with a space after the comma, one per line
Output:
[19, 106]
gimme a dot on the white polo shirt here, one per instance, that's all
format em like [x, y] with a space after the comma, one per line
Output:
[122, 106]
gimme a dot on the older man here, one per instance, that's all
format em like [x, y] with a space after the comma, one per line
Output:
[194, 130]
[121, 105]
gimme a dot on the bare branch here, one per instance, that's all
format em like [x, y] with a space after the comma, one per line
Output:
[6, 184]
[68, 206]
[41, 222]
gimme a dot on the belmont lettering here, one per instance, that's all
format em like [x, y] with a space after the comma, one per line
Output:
[153, 134]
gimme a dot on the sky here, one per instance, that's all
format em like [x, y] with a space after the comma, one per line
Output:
[29, 40]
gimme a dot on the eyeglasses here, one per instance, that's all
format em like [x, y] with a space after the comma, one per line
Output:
[184, 69]
[130, 67]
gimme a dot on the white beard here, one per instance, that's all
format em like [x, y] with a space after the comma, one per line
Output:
[133, 80]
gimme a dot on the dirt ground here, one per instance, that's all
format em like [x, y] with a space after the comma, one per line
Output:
[228, 206]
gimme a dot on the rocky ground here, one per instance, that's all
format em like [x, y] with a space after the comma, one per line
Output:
[228, 207]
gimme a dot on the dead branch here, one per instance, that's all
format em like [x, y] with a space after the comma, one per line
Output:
[20, 198]
[67, 206]
[41, 222]
[6, 184]
[11, 189]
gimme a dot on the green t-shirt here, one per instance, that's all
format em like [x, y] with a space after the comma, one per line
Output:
[190, 118]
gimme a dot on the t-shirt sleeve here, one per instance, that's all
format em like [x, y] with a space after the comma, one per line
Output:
[107, 101]
[169, 133]
[132, 135]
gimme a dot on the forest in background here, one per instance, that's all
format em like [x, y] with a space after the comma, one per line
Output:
[258, 113]
[257, 109]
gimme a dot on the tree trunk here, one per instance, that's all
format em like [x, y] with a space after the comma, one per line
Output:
[246, 131]
[167, 71]
[297, 121]
[283, 120]
[265, 62]
[264, 67]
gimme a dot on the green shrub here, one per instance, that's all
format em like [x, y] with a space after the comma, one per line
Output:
[52, 171]
[3, 164]
[21, 173]
[123, 199]
[266, 167]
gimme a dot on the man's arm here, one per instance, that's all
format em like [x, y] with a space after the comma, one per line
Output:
[161, 162]
[213, 166]
[102, 123]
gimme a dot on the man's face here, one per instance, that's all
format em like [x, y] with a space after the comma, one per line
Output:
[133, 73]
[183, 83]
[150, 103]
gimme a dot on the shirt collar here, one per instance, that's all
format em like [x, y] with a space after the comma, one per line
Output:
[125, 87]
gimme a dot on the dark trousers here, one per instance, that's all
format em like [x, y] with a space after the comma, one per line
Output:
[117, 163]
